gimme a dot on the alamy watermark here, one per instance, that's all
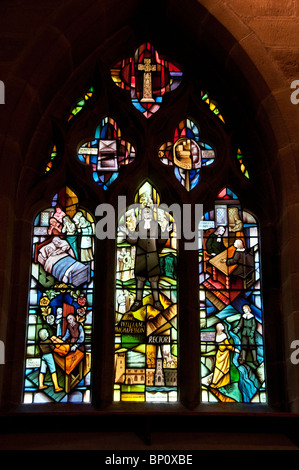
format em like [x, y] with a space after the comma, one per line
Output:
[2, 92]
[2, 353]
[295, 95]
[294, 358]
[152, 221]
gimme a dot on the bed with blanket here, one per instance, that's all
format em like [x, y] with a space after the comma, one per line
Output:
[58, 259]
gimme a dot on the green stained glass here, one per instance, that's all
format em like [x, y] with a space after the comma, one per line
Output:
[53, 159]
[81, 103]
[241, 160]
[213, 106]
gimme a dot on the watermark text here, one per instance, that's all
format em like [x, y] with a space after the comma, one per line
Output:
[2, 353]
[294, 358]
[295, 93]
[154, 221]
[2, 92]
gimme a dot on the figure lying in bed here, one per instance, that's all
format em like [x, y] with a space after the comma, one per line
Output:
[58, 259]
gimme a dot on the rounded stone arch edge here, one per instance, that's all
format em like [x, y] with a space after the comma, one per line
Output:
[241, 41]
[211, 13]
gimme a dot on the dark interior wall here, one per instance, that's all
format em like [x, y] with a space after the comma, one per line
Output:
[50, 55]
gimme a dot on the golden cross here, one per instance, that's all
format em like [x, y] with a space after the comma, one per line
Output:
[147, 68]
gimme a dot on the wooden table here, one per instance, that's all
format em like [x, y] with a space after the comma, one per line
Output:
[68, 364]
[218, 263]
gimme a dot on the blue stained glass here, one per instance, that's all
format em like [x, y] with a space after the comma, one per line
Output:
[138, 105]
[195, 179]
[113, 178]
[97, 133]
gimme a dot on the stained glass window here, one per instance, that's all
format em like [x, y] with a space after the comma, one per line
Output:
[53, 159]
[242, 163]
[107, 152]
[213, 105]
[187, 154]
[60, 307]
[59, 320]
[231, 307]
[80, 103]
[147, 77]
[146, 302]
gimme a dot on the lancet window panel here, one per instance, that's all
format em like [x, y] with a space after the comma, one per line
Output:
[146, 335]
[58, 359]
[231, 305]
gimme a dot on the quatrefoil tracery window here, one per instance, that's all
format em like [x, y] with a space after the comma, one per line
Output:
[58, 365]
[147, 77]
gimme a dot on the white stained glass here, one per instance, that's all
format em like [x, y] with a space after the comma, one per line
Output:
[31, 333]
